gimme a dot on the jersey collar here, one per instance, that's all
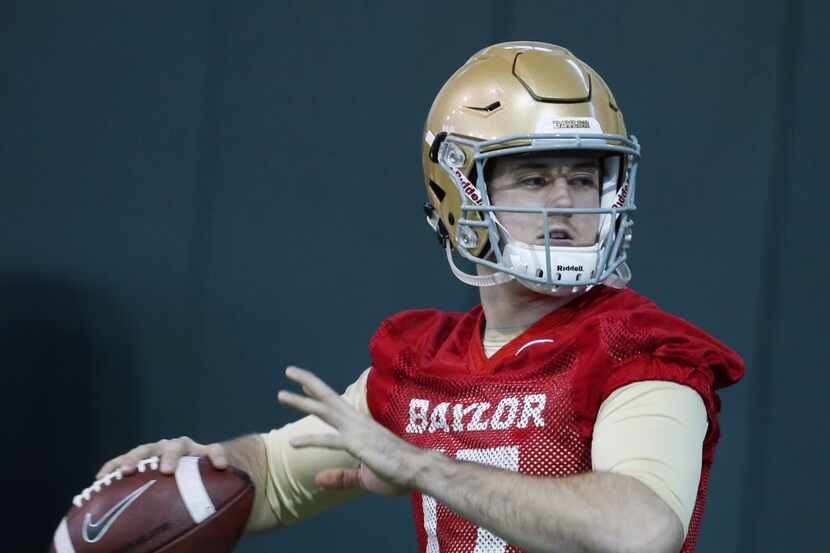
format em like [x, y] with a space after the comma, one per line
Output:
[538, 335]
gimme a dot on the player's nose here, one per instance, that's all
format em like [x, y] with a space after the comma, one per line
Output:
[559, 194]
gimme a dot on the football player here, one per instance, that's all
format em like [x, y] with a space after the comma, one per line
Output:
[565, 412]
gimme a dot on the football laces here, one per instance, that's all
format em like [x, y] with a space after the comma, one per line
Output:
[86, 495]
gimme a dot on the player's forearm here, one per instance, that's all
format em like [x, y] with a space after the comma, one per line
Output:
[591, 512]
[248, 453]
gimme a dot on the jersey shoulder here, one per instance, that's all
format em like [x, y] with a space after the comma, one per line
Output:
[632, 327]
[419, 333]
[629, 338]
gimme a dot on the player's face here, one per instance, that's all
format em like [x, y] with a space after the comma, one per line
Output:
[545, 179]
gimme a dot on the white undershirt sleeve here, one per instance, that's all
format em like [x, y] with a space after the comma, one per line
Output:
[653, 431]
[290, 489]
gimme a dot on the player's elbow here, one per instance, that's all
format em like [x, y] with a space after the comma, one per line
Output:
[661, 533]
[261, 519]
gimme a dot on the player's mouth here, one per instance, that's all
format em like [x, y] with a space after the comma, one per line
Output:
[559, 236]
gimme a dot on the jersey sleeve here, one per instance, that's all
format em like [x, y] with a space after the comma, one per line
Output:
[653, 431]
[654, 345]
[418, 332]
[290, 489]
[418, 340]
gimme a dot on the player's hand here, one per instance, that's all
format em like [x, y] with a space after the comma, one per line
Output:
[389, 464]
[169, 453]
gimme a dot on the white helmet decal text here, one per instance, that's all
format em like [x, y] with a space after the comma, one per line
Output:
[568, 125]
[621, 196]
[469, 188]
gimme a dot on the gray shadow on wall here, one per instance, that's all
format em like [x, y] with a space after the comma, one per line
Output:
[69, 374]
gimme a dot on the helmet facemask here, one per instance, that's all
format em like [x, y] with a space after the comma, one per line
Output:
[557, 250]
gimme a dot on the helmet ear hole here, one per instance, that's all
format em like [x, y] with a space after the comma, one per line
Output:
[436, 144]
[437, 190]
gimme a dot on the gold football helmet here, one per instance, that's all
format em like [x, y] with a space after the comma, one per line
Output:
[514, 98]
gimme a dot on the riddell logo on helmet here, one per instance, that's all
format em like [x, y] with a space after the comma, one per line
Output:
[468, 187]
[571, 124]
[621, 196]
[561, 268]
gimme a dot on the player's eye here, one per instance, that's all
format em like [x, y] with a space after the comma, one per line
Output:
[532, 182]
[583, 180]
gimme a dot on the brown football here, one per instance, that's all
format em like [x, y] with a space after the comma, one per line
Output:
[199, 509]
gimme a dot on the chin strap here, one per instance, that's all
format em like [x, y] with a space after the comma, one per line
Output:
[475, 280]
[620, 278]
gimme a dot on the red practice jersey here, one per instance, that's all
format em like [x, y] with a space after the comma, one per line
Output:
[531, 407]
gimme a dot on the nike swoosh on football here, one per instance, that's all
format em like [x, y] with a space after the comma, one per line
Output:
[94, 531]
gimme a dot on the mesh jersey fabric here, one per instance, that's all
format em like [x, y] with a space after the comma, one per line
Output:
[651, 430]
[532, 406]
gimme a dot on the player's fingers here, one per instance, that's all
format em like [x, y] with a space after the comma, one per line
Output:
[171, 452]
[108, 467]
[126, 465]
[314, 387]
[328, 441]
[136, 454]
[127, 462]
[216, 454]
[307, 405]
[311, 383]
[338, 479]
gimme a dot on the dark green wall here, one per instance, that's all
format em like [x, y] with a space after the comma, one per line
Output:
[195, 194]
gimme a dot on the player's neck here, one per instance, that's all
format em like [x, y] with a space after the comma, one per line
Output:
[513, 305]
